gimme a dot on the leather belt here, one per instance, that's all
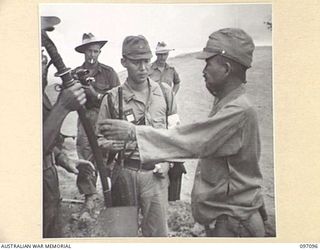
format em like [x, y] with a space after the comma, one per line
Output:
[136, 165]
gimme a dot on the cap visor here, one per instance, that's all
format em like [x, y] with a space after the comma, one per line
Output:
[139, 56]
[81, 48]
[204, 55]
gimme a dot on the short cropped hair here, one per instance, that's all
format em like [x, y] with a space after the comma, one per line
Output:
[238, 70]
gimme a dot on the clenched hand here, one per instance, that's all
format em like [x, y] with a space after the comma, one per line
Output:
[117, 130]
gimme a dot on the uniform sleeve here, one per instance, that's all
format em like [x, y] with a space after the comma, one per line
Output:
[173, 109]
[114, 79]
[197, 140]
[176, 78]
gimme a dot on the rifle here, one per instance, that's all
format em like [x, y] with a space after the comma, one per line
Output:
[67, 80]
[121, 153]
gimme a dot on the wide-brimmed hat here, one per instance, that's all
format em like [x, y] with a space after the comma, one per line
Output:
[162, 48]
[136, 48]
[47, 22]
[87, 39]
[231, 43]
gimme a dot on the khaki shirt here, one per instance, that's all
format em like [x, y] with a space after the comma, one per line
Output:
[228, 178]
[105, 79]
[169, 75]
[154, 111]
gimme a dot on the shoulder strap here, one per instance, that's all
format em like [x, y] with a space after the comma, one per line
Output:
[112, 110]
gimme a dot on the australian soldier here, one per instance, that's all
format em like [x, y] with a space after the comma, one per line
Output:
[97, 80]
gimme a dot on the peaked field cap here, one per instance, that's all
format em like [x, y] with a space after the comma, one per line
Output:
[136, 47]
[162, 48]
[47, 22]
[87, 39]
[232, 43]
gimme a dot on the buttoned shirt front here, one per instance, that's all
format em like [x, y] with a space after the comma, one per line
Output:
[228, 178]
[154, 111]
[168, 75]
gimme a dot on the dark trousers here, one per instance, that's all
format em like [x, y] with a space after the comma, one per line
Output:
[51, 203]
[227, 226]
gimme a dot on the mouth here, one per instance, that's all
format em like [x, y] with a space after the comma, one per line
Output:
[142, 75]
[91, 61]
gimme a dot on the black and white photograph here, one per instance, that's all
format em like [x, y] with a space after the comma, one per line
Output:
[157, 120]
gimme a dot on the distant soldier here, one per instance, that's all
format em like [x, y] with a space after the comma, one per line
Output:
[99, 79]
[163, 73]
[160, 71]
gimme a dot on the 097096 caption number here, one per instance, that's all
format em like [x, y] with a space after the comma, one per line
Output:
[308, 245]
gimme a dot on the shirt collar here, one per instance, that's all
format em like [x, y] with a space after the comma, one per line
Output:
[97, 69]
[128, 94]
[154, 65]
[234, 94]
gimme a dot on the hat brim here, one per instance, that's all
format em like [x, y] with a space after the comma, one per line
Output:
[81, 48]
[164, 51]
[47, 22]
[205, 55]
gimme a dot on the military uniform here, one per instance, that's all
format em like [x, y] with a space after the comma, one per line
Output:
[228, 178]
[148, 187]
[168, 75]
[51, 193]
[105, 79]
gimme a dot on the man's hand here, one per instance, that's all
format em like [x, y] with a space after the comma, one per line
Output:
[112, 145]
[90, 92]
[117, 130]
[72, 165]
[72, 97]
[161, 169]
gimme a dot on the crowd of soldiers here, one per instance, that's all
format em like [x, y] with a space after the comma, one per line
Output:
[227, 193]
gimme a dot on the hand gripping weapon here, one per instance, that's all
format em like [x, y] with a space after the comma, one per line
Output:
[67, 80]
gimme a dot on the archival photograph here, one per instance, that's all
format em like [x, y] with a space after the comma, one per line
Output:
[157, 120]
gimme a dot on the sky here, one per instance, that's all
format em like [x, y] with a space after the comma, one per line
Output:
[184, 27]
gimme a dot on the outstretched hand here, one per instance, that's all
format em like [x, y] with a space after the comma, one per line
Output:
[117, 129]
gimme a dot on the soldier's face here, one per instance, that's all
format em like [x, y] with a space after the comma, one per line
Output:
[92, 53]
[162, 58]
[137, 69]
[214, 74]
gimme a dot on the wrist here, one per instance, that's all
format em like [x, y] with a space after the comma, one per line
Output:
[132, 133]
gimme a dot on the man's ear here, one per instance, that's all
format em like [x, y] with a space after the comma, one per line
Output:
[124, 62]
[228, 68]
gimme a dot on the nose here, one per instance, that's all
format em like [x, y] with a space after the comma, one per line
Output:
[143, 66]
